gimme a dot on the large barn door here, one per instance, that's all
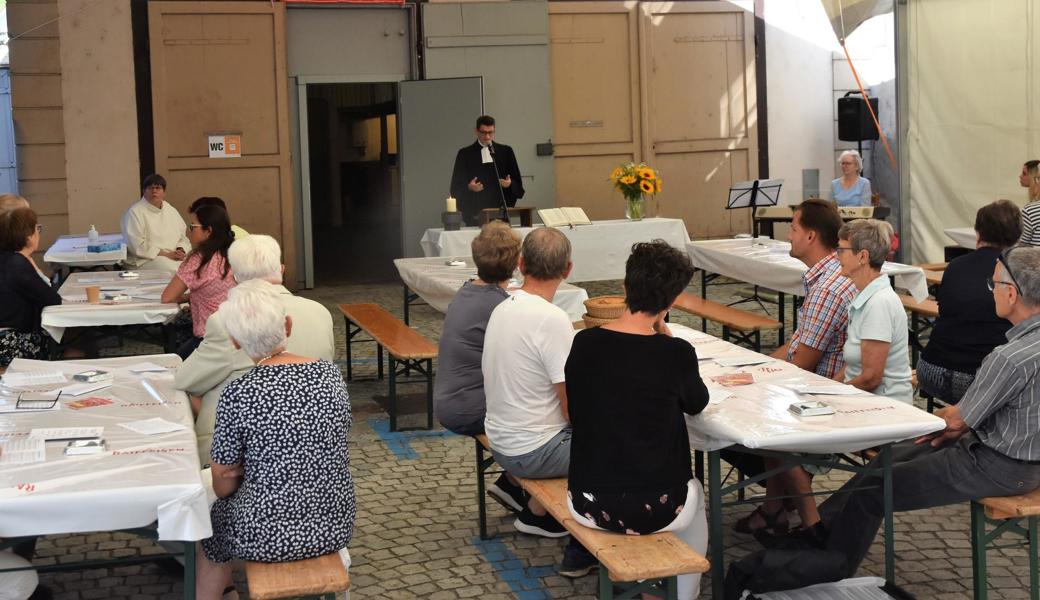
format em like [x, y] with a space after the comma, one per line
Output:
[218, 68]
[594, 60]
[669, 83]
[699, 58]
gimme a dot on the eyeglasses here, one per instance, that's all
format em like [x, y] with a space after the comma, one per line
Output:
[36, 400]
[991, 284]
[39, 227]
[840, 249]
[193, 226]
[1002, 257]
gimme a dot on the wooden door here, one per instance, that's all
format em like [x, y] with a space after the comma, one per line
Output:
[699, 59]
[671, 84]
[596, 106]
[219, 68]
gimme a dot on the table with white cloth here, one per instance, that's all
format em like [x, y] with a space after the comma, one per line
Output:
[964, 236]
[768, 263]
[756, 417]
[143, 309]
[70, 251]
[436, 281]
[598, 251]
[136, 481]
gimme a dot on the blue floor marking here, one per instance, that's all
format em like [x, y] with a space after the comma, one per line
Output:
[525, 583]
[399, 442]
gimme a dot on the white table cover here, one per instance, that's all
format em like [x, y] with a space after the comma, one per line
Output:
[964, 236]
[599, 251]
[140, 479]
[437, 283]
[71, 250]
[74, 311]
[769, 265]
[757, 415]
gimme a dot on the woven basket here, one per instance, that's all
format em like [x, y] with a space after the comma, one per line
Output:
[591, 322]
[605, 307]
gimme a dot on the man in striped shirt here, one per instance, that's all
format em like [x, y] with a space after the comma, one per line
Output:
[991, 443]
[818, 342]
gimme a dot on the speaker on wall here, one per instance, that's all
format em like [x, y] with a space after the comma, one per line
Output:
[854, 122]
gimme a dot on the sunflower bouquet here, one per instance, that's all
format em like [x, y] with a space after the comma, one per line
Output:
[634, 181]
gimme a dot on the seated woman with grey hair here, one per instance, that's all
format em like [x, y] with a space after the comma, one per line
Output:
[280, 441]
[851, 189]
[877, 358]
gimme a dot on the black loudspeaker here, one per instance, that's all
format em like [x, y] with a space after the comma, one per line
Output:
[854, 121]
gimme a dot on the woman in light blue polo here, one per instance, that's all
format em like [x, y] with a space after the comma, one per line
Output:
[850, 189]
[877, 358]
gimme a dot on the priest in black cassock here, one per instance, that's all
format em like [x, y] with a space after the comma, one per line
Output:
[473, 180]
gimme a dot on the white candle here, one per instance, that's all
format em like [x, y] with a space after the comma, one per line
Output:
[450, 204]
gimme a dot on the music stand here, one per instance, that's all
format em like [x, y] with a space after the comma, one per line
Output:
[752, 194]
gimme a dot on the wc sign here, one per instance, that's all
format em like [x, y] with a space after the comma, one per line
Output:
[225, 146]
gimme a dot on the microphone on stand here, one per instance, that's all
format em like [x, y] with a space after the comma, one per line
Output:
[501, 192]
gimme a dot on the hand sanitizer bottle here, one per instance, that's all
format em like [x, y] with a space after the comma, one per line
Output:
[92, 235]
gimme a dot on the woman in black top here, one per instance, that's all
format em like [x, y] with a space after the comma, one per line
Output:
[968, 327]
[24, 289]
[629, 384]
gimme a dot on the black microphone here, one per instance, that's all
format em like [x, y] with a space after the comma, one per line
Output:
[501, 192]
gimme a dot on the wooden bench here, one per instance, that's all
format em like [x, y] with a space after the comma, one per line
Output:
[406, 350]
[922, 317]
[934, 266]
[484, 463]
[741, 325]
[319, 577]
[629, 564]
[1017, 515]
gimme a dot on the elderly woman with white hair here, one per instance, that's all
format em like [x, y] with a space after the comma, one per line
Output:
[851, 189]
[877, 359]
[280, 441]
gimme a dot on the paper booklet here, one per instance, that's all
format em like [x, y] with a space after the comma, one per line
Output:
[567, 215]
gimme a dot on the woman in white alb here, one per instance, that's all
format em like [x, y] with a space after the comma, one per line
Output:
[154, 230]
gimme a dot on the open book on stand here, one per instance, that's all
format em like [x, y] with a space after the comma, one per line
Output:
[567, 215]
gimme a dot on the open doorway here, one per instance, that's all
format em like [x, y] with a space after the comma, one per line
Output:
[355, 201]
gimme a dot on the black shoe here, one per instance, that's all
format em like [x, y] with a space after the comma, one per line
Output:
[42, 592]
[577, 561]
[544, 525]
[803, 538]
[508, 495]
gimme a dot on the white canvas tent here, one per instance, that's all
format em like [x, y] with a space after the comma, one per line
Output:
[969, 89]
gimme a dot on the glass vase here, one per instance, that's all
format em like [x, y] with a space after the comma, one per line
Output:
[635, 208]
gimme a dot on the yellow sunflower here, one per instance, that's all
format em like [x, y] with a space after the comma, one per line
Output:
[646, 186]
[646, 173]
[628, 179]
[616, 174]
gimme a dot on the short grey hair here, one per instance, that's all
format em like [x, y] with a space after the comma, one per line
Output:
[1025, 270]
[256, 257]
[255, 318]
[854, 154]
[871, 235]
[547, 253]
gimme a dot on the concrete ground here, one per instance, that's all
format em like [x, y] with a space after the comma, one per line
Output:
[416, 533]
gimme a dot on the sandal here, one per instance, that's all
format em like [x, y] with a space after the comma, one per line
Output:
[776, 522]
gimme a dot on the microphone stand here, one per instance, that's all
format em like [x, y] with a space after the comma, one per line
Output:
[498, 184]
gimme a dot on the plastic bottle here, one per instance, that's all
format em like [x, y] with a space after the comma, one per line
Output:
[92, 235]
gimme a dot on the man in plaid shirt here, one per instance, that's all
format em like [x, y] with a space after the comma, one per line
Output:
[818, 341]
[817, 345]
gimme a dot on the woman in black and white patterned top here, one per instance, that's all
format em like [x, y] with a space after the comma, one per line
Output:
[1030, 178]
[279, 461]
